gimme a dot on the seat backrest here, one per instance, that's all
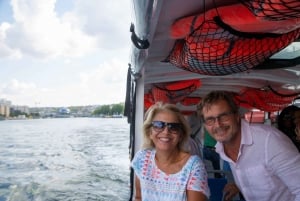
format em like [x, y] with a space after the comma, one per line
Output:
[216, 186]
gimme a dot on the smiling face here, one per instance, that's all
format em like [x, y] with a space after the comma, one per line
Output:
[165, 139]
[221, 122]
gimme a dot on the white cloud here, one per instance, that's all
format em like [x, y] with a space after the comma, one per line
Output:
[5, 50]
[108, 82]
[20, 93]
[39, 32]
[16, 87]
[109, 21]
[104, 85]
[97, 29]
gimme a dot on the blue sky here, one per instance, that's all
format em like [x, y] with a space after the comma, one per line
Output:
[64, 52]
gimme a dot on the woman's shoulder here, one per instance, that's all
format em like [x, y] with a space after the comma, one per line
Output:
[191, 159]
[142, 158]
[195, 162]
[142, 153]
[146, 151]
[195, 158]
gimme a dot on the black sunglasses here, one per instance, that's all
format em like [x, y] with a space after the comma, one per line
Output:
[159, 126]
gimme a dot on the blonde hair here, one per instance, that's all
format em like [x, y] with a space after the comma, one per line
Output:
[161, 107]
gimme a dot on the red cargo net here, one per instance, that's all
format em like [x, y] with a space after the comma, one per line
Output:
[190, 101]
[265, 100]
[207, 45]
[148, 100]
[274, 9]
[174, 92]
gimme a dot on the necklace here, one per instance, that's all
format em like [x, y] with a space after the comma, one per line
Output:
[174, 166]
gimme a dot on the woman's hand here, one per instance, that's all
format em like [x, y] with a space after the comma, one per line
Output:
[230, 190]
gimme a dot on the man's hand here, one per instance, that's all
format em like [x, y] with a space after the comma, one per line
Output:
[230, 190]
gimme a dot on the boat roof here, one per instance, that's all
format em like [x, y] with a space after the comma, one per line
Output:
[153, 44]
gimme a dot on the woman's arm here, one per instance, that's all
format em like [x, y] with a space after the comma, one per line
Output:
[195, 196]
[197, 187]
[138, 196]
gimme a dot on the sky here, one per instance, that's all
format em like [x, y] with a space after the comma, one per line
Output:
[60, 53]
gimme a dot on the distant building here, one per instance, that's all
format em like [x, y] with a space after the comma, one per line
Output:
[64, 110]
[21, 108]
[5, 107]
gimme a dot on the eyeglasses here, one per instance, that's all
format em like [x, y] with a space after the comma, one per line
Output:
[159, 126]
[209, 121]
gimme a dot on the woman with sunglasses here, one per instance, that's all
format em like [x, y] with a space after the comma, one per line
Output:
[164, 170]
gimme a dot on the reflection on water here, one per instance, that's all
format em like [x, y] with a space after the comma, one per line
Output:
[64, 159]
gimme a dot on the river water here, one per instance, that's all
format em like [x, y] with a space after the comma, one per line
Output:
[68, 159]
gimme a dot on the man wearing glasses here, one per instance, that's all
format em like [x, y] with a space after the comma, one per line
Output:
[264, 162]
